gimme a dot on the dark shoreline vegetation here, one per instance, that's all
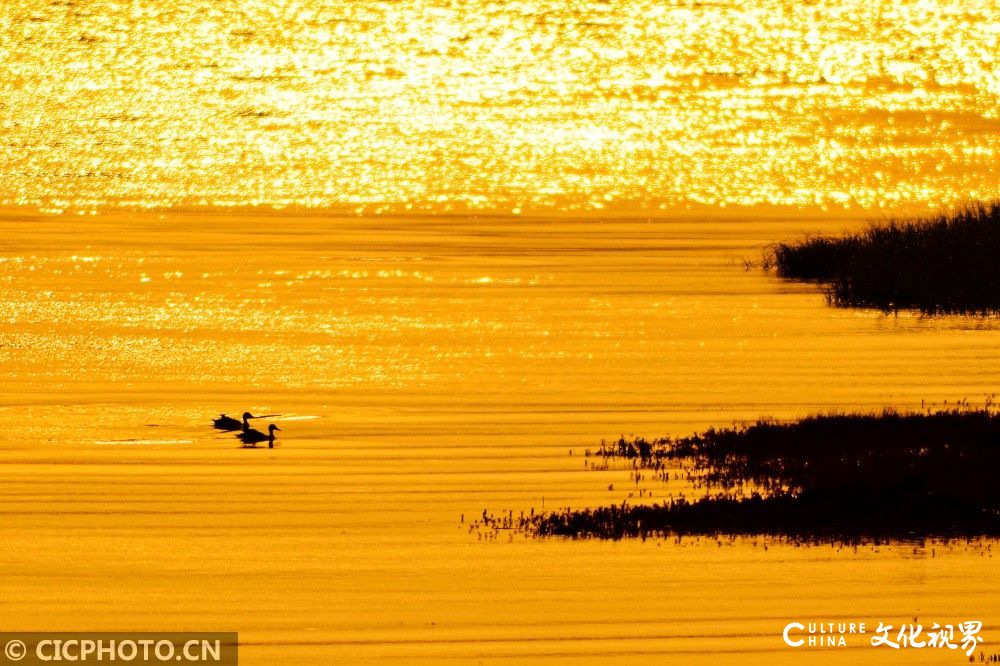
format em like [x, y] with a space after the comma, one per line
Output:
[841, 477]
[945, 264]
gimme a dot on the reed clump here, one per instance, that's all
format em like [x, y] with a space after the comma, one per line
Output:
[886, 475]
[848, 515]
[945, 264]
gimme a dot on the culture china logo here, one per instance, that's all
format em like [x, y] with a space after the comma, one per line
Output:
[962, 636]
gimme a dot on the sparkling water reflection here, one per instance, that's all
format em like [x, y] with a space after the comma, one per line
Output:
[508, 106]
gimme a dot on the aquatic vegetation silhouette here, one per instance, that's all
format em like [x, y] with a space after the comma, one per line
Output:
[849, 515]
[944, 264]
[849, 477]
[945, 449]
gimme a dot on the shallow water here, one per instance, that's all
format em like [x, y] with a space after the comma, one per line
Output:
[426, 369]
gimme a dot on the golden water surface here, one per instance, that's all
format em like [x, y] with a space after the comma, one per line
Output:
[534, 104]
[452, 246]
[426, 369]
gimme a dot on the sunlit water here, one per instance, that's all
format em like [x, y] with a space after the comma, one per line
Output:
[504, 106]
[425, 370]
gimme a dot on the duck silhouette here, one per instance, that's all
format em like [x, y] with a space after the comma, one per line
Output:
[229, 423]
[252, 437]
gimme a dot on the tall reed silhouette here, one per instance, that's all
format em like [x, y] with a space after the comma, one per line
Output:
[946, 264]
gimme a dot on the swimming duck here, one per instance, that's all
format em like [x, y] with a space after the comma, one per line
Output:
[251, 437]
[229, 423]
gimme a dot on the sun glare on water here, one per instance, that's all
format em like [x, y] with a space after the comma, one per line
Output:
[519, 106]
